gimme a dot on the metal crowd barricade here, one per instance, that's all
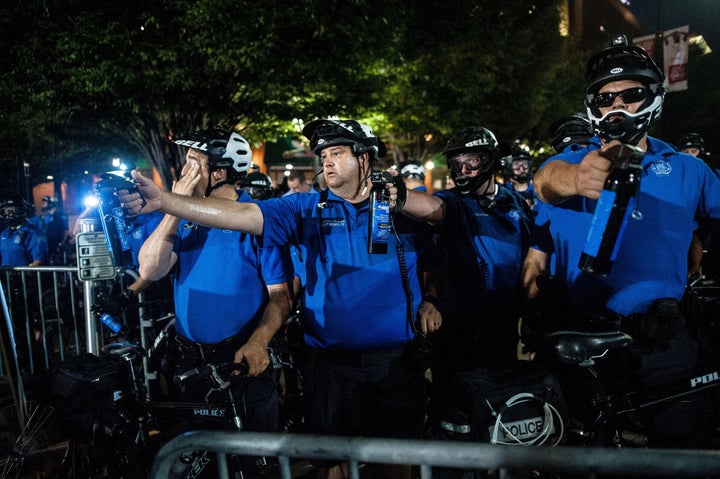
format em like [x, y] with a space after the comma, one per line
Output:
[51, 317]
[44, 303]
[429, 454]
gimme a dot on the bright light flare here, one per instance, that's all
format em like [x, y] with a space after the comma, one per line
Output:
[90, 201]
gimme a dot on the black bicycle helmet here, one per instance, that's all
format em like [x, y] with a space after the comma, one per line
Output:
[472, 140]
[624, 62]
[692, 140]
[15, 210]
[257, 185]
[575, 129]
[323, 133]
[518, 154]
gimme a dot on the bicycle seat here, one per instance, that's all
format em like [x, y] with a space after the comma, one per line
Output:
[118, 350]
[581, 348]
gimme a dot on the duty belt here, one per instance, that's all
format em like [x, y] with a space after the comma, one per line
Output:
[227, 345]
[359, 358]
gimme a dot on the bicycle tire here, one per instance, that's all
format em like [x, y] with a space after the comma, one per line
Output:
[37, 449]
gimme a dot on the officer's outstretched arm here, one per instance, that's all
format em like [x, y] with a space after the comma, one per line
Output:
[558, 180]
[416, 204]
[212, 212]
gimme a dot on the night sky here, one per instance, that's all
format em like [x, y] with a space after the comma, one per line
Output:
[703, 16]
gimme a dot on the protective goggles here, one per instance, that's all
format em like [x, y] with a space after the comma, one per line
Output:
[631, 95]
[472, 161]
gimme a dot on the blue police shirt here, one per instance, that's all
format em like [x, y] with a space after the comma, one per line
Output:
[354, 300]
[221, 277]
[142, 227]
[23, 245]
[676, 190]
[485, 248]
[53, 226]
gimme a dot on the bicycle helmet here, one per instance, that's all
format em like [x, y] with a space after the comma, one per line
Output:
[472, 140]
[575, 129]
[692, 140]
[518, 155]
[14, 210]
[323, 133]
[49, 202]
[624, 62]
[225, 150]
[411, 169]
[257, 185]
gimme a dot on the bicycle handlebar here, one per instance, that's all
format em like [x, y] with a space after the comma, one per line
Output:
[220, 372]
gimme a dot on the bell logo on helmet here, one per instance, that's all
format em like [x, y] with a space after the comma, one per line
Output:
[617, 70]
[478, 142]
[195, 145]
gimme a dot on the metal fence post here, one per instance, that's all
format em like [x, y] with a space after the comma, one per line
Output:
[92, 342]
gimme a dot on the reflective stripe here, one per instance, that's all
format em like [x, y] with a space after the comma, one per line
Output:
[457, 428]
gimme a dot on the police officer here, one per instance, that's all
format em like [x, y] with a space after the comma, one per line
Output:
[258, 185]
[473, 297]
[21, 242]
[413, 173]
[571, 131]
[624, 96]
[54, 223]
[519, 174]
[692, 144]
[359, 376]
[231, 295]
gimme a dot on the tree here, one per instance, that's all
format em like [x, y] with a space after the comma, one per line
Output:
[137, 73]
[88, 81]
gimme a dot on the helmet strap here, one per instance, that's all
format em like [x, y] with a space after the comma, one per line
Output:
[363, 174]
[210, 187]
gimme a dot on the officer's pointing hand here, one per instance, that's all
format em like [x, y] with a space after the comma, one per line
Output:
[146, 199]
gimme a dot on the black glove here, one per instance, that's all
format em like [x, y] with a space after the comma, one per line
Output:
[399, 183]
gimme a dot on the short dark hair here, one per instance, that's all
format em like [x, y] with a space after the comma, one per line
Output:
[296, 174]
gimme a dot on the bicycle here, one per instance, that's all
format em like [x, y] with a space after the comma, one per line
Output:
[116, 429]
[614, 419]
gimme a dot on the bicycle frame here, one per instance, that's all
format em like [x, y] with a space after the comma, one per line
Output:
[580, 350]
[689, 385]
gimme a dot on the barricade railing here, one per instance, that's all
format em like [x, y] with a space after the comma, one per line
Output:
[428, 454]
[45, 305]
[50, 311]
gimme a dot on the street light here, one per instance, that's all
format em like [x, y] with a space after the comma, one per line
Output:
[28, 189]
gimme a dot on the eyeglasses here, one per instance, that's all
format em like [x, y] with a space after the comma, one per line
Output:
[631, 95]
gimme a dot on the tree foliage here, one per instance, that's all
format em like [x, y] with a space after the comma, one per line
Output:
[86, 81]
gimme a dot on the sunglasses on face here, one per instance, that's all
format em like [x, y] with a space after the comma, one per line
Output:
[631, 95]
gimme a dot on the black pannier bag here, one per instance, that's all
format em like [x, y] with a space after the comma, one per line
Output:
[85, 388]
[519, 406]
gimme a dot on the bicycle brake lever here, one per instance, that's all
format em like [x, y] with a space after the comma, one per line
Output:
[221, 383]
[275, 361]
[182, 377]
